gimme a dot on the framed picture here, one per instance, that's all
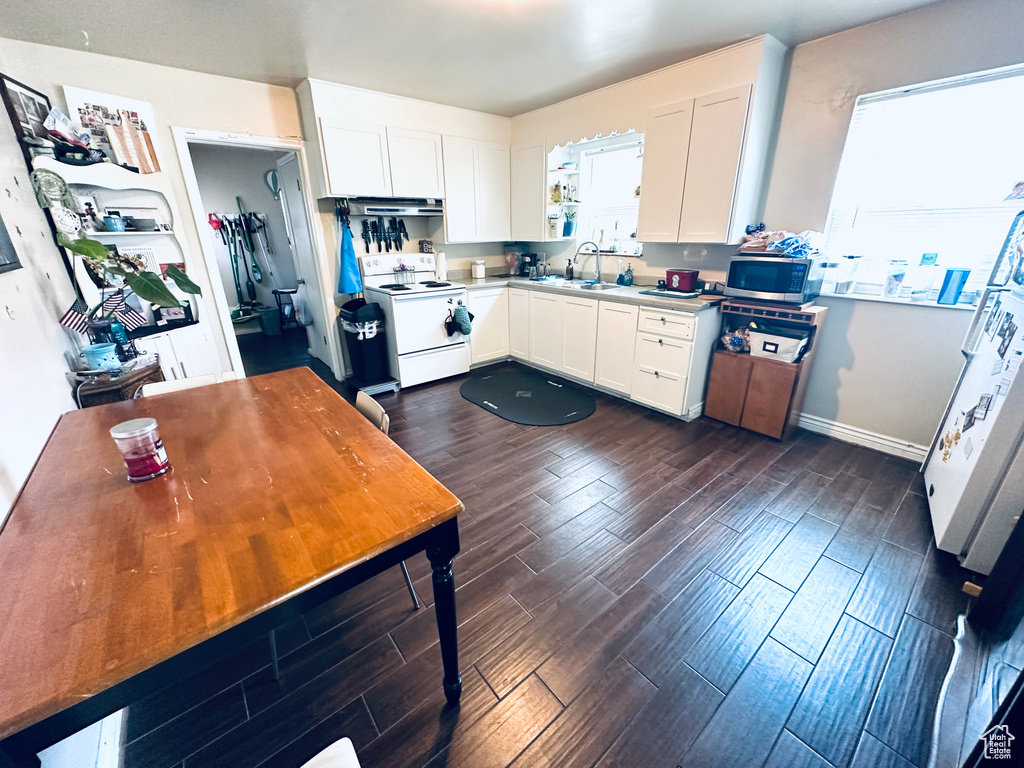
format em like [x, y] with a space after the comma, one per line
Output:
[8, 257]
[27, 109]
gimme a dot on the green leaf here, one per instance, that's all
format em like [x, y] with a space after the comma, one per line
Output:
[150, 287]
[115, 270]
[183, 281]
[91, 249]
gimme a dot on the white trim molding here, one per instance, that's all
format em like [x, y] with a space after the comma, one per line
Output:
[857, 436]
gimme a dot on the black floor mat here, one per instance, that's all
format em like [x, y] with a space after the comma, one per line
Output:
[528, 397]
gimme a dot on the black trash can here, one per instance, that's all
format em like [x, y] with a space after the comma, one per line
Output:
[362, 325]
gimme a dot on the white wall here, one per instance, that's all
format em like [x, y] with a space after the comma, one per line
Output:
[33, 389]
[226, 172]
[881, 367]
[32, 345]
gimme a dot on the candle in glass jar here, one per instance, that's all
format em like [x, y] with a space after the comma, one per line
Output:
[141, 448]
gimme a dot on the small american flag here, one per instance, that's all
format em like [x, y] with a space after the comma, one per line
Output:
[74, 318]
[127, 316]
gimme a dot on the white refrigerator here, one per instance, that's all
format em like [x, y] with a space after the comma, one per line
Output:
[974, 471]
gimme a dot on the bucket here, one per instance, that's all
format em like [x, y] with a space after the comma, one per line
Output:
[101, 357]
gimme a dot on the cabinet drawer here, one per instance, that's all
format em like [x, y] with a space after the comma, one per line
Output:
[667, 323]
[658, 389]
[663, 353]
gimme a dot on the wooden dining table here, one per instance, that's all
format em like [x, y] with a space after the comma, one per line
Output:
[280, 495]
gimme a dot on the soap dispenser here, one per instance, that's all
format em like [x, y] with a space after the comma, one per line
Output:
[568, 269]
[627, 279]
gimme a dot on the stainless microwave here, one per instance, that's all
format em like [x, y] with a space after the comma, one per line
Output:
[774, 278]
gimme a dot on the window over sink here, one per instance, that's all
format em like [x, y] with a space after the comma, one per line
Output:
[594, 190]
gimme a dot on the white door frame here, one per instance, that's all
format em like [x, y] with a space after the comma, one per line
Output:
[185, 136]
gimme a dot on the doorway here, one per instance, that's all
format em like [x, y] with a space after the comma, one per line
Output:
[251, 205]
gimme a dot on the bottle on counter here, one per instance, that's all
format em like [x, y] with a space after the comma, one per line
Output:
[568, 269]
[620, 278]
[627, 279]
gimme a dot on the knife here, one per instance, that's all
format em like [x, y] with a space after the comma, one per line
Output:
[376, 234]
[403, 231]
[395, 233]
[383, 232]
[366, 234]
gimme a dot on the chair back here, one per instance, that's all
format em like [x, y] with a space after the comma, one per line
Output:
[372, 410]
[160, 387]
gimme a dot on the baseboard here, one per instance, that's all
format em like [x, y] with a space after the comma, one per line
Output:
[873, 440]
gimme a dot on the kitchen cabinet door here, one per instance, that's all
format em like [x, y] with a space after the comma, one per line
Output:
[616, 337]
[519, 323]
[727, 387]
[712, 171]
[666, 152]
[489, 339]
[356, 158]
[769, 394]
[547, 329]
[494, 188]
[529, 192]
[416, 167]
[460, 179]
[580, 341]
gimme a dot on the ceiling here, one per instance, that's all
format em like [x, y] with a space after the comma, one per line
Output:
[500, 56]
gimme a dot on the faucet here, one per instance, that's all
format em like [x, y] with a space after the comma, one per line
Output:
[597, 261]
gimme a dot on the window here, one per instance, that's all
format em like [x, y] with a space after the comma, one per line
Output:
[924, 182]
[609, 179]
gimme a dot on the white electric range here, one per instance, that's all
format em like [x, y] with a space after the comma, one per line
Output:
[416, 308]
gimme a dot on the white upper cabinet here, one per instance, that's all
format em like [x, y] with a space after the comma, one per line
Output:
[355, 158]
[529, 191]
[415, 163]
[494, 182]
[712, 170]
[666, 150]
[691, 169]
[460, 205]
[478, 189]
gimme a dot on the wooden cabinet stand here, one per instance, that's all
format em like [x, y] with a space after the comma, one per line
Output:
[757, 393]
[116, 390]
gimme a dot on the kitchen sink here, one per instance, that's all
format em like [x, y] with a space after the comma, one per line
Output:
[599, 286]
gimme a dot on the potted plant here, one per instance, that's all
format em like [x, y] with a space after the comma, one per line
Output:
[569, 227]
[125, 276]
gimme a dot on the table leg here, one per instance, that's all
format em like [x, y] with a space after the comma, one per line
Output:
[447, 626]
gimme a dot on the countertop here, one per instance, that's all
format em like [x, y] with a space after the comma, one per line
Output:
[623, 294]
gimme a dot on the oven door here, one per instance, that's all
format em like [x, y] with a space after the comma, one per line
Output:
[419, 320]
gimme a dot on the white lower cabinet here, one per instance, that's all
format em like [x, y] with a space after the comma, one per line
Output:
[519, 323]
[580, 338]
[547, 329]
[656, 357]
[665, 391]
[616, 338]
[490, 337]
[183, 353]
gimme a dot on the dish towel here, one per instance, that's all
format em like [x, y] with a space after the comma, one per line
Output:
[348, 278]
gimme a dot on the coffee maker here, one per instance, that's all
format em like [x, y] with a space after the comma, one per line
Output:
[526, 261]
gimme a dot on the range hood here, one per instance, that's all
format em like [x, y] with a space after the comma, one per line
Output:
[395, 206]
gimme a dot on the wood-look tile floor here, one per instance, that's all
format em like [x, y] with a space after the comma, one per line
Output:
[632, 591]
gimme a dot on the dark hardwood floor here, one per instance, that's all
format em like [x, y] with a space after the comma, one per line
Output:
[632, 591]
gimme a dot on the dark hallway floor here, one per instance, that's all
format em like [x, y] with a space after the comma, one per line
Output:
[632, 591]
